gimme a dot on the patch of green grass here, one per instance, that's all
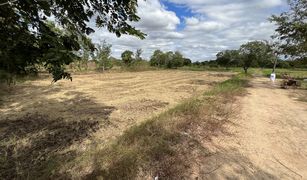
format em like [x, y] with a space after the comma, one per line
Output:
[304, 85]
[234, 85]
[295, 73]
[204, 68]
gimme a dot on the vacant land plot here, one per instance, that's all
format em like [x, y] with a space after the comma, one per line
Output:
[41, 122]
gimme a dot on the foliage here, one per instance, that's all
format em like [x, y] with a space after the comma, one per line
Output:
[127, 57]
[86, 50]
[26, 38]
[187, 62]
[227, 57]
[102, 55]
[292, 29]
[256, 52]
[157, 59]
[168, 59]
[251, 54]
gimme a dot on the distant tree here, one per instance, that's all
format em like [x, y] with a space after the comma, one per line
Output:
[86, 49]
[168, 59]
[187, 62]
[27, 40]
[127, 57]
[138, 54]
[102, 55]
[197, 63]
[177, 60]
[292, 29]
[156, 59]
[283, 64]
[227, 58]
[255, 53]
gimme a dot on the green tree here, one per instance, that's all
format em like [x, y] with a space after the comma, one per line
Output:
[127, 57]
[86, 49]
[177, 60]
[256, 53]
[26, 39]
[102, 55]
[187, 62]
[292, 29]
[157, 59]
[227, 58]
[168, 59]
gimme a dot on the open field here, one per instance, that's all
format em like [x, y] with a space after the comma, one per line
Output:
[43, 123]
[170, 124]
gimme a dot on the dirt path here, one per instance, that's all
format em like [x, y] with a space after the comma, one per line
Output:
[269, 138]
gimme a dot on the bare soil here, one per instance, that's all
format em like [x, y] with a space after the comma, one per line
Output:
[268, 138]
[42, 124]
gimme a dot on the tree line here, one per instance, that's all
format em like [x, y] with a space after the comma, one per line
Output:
[168, 59]
[28, 41]
[258, 54]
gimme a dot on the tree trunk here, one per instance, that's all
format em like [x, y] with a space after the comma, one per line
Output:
[245, 69]
[274, 67]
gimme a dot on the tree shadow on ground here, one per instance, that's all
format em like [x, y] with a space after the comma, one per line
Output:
[37, 143]
[181, 150]
[171, 155]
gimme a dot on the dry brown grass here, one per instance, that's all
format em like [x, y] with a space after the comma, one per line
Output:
[171, 145]
[45, 126]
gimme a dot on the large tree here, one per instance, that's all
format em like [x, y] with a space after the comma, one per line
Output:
[26, 39]
[127, 57]
[157, 59]
[292, 29]
[256, 53]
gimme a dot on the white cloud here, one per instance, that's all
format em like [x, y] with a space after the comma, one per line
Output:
[215, 26]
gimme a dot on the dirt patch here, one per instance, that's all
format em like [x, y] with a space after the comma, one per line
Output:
[46, 125]
[146, 105]
[268, 137]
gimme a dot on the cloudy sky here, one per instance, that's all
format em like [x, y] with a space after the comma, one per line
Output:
[197, 28]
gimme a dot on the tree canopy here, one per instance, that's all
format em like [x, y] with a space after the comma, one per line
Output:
[292, 29]
[127, 57]
[26, 38]
[168, 59]
[227, 58]
[256, 52]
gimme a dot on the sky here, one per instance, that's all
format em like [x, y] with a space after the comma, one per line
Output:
[199, 29]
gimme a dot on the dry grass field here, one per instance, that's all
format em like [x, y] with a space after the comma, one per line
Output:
[43, 122]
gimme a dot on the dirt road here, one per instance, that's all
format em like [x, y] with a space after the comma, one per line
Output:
[269, 137]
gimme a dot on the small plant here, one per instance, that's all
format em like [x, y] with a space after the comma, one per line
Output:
[102, 56]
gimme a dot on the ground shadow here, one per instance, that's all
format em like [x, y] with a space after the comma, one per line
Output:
[36, 143]
[184, 152]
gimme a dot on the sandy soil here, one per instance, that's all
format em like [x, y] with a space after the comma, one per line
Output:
[268, 139]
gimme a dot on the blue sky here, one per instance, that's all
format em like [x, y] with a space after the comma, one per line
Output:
[181, 11]
[197, 28]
